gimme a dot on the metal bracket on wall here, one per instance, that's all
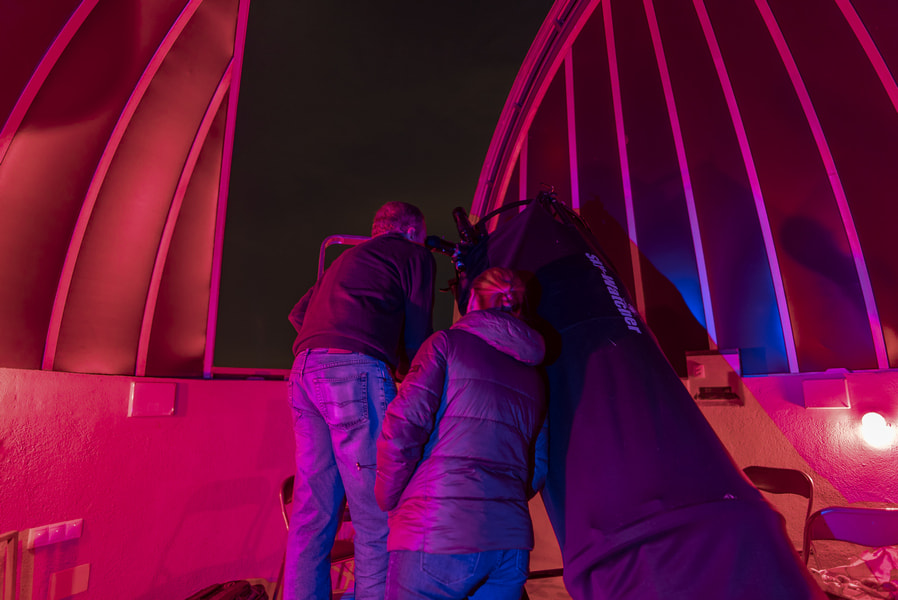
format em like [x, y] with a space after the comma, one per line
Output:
[714, 378]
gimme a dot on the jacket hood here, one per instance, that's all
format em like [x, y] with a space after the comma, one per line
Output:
[505, 333]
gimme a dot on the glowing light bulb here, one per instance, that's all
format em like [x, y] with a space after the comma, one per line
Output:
[876, 432]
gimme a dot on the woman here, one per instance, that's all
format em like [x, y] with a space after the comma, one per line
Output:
[458, 456]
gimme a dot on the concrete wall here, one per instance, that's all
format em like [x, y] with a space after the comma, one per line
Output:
[170, 504]
[775, 428]
[173, 503]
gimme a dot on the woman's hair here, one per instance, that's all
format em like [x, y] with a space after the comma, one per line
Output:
[498, 287]
[396, 217]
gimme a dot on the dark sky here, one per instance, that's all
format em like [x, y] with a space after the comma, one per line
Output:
[345, 106]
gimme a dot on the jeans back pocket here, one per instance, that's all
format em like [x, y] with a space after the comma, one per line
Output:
[343, 402]
[450, 569]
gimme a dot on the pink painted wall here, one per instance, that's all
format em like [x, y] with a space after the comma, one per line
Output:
[753, 438]
[774, 428]
[170, 504]
[830, 440]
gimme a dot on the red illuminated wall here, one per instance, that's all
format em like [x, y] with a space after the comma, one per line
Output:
[169, 504]
[116, 126]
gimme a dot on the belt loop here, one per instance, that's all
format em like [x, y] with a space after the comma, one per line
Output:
[305, 358]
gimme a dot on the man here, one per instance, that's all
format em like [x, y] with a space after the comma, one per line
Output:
[362, 320]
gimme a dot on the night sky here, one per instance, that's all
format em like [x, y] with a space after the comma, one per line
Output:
[345, 106]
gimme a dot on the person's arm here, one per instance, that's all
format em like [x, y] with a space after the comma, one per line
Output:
[298, 314]
[419, 303]
[540, 458]
[409, 422]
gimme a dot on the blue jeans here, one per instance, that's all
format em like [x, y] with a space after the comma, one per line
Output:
[490, 575]
[338, 402]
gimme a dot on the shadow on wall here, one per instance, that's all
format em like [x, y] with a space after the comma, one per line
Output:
[88, 92]
[830, 266]
[170, 504]
[667, 314]
[239, 508]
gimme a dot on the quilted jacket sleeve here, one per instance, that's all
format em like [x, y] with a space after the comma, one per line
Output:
[419, 301]
[409, 422]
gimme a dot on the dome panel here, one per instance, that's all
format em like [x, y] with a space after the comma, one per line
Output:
[548, 156]
[600, 171]
[121, 238]
[27, 30]
[754, 142]
[97, 159]
[743, 298]
[846, 89]
[175, 321]
[674, 306]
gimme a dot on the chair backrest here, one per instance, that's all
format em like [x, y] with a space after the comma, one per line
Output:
[343, 548]
[287, 499]
[286, 495]
[873, 527]
[776, 480]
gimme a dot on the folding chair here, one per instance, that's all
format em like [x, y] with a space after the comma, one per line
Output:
[342, 551]
[544, 574]
[872, 527]
[776, 480]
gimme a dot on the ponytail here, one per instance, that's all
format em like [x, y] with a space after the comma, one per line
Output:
[501, 288]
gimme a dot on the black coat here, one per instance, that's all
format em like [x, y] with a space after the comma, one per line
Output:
[376, 298]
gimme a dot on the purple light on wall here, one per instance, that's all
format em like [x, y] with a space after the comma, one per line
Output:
[708, 316]
[638, 289]
[751, 170]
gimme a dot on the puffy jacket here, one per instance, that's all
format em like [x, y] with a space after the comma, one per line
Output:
[458, 456]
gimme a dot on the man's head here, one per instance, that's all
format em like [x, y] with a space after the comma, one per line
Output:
[400, 217]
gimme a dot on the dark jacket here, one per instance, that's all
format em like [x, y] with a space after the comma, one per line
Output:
[376, 298]
[456, 456]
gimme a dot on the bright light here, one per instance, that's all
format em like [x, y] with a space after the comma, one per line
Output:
[876, 432]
